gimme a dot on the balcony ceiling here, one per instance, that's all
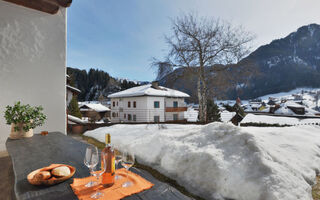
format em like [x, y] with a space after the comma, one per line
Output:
[47, 6]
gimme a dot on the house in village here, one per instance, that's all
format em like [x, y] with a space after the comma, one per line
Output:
[71, 91]
[95, 111]
[148, 103]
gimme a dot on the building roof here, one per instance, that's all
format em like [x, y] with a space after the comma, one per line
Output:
[48, 6]
[75, 120]
[94, 106]
[226, 116]
[148, 90]
[73, 89]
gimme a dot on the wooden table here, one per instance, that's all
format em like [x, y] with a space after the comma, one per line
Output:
[39, 151]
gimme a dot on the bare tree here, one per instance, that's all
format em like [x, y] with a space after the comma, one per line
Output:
[202, 42]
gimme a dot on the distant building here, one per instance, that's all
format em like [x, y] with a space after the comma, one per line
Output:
[95, 111]
[148, 103]
[71, 91]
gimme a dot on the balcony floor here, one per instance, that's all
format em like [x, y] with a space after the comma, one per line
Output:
[7, 179]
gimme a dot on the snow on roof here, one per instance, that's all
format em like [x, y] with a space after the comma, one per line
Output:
[75, 120]
[251, 118]
[95, 106]
[293, 104]
[73, 89]
[226, 116]
[255, 105]
[147, 90]
[284, 111]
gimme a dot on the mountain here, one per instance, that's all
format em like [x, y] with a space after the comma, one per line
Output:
[283, 65]
[97, 83]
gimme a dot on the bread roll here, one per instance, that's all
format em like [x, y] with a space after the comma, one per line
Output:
[43, 175]
[61, 171]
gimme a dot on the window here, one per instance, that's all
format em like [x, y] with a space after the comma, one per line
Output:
[175, 104]
[156, 118]
[129, 117]
[113, 104]
[113, 114]
[129, 104]
[175, 117]
[124, 116]
[117, 103]
[134, 117]
[156, 104]
[134, 104]
[117, 115]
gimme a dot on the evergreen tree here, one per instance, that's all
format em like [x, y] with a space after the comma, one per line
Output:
[213, 113]
[73, 108]
[238, 109]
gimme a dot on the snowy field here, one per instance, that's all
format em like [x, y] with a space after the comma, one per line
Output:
[221, 160]
[288, 94]
[265, 119]
[308, 99]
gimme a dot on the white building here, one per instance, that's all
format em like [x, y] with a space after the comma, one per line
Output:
[33, 60]
[71, 91]
[95, 111]
[148, 103]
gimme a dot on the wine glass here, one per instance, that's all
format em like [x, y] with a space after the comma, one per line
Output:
[127, 162]
[97, 173]
[117, 160]
[91, 159]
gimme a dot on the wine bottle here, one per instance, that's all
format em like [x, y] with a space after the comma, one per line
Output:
[107, 159]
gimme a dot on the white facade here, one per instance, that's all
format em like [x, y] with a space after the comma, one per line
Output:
[69, 97]
[32, 64]
[142, 109]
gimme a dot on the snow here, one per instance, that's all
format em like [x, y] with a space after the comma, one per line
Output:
[226, 116]
[251, 118]
[149, 91]
[95, 106]
[76, 120]
[293, 104]
[222, 160]
[191, 114]
[287, 94]
[73, 89]
[284, 111]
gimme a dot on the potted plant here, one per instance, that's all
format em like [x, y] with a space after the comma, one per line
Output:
[23, 119]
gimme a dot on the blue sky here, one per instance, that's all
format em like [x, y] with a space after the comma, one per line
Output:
[121, 36]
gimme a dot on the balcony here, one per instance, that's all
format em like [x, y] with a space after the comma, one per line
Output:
[176, 109]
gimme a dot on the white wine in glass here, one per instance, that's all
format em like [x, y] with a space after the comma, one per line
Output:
[127, 162]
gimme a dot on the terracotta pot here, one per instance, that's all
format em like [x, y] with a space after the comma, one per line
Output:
[77, 129]
[20, 134]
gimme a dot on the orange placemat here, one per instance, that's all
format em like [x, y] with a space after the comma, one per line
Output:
[114, 192]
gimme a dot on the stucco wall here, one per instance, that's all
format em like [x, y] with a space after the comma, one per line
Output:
[140, 110]
[155, 111]
[169, 102]
[32, 64]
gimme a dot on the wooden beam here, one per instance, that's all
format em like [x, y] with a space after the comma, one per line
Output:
[40, 5]
[62, 3]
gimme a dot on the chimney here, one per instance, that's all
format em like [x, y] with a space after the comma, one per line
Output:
[155, 84]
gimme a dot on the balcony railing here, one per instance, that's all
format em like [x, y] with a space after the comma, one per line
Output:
[176, 109]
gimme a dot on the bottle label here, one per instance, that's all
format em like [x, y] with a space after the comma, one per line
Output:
[113, 170]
